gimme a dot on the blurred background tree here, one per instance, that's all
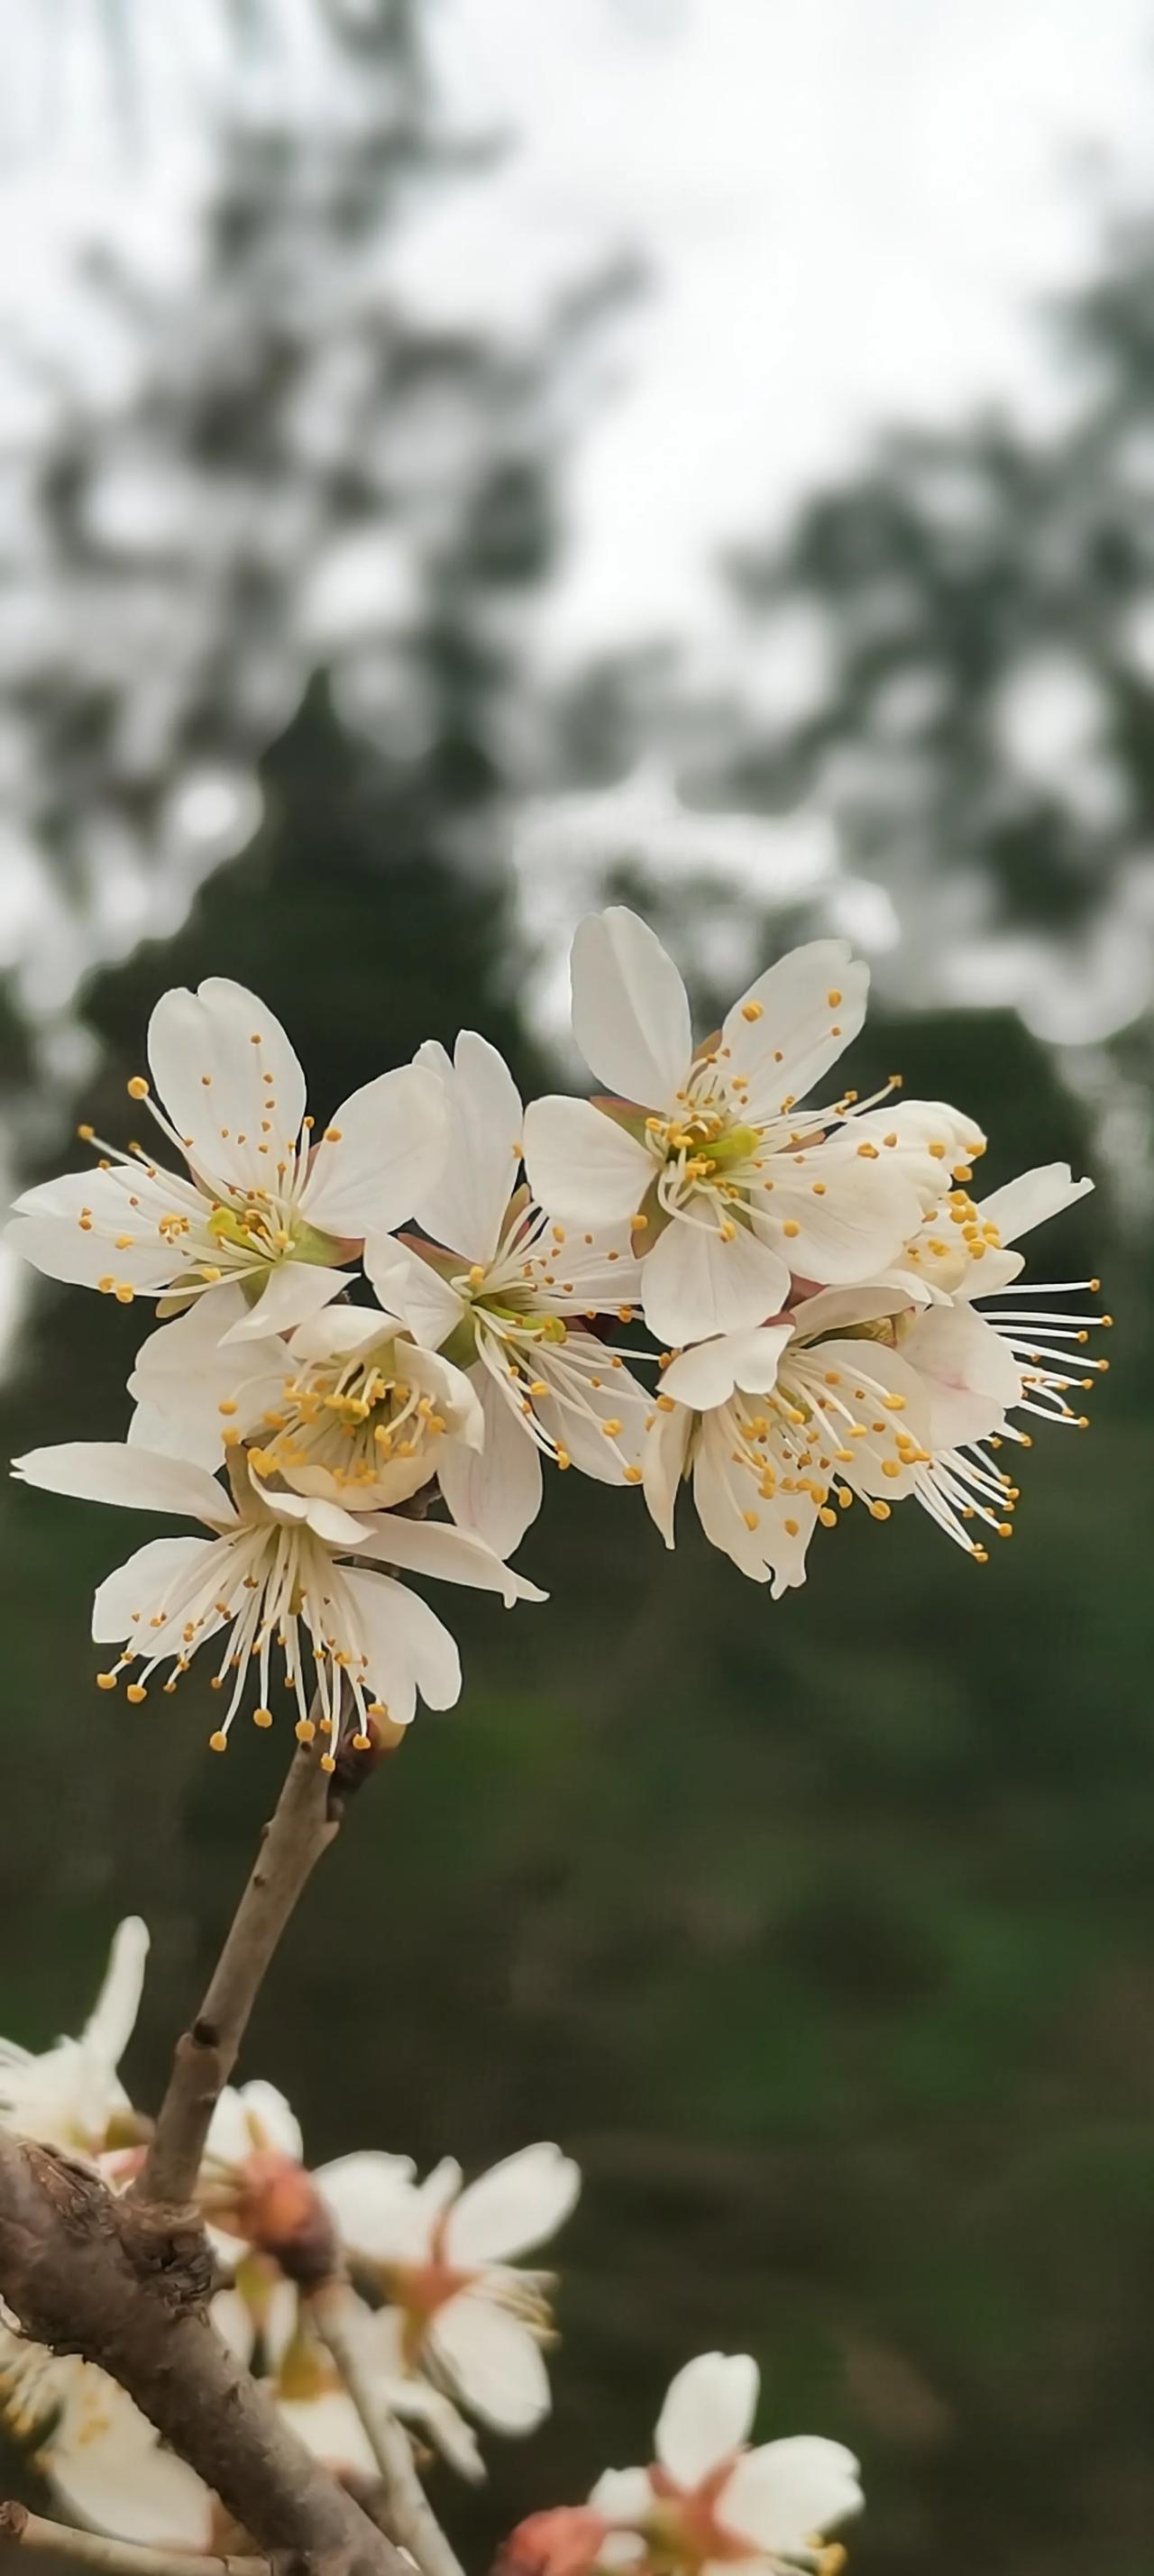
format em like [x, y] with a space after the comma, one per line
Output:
[821, 1933]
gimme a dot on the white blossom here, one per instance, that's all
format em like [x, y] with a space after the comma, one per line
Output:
[459, 2312]
[352, 1410]
[709, 2502]
[258, 1199]
[509, 1294]
[705, 1151]
[274, 1579]
[886, 1391]
[70, 2096]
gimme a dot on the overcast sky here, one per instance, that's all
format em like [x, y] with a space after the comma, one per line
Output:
[850, 205]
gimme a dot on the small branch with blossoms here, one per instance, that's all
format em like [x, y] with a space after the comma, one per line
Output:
[372, 1339]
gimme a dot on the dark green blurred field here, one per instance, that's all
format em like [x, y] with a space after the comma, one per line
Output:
[823, 1932]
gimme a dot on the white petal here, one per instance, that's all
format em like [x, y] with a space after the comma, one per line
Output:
[339, 1529]
[873, 1468]
[789, 2494]
[831, 1309]
[706, 1376]
[970, 1375]
[623, 2495]
[112, 2020]
[868, 1212]
[630, 1010]
[211, 1033]
[46, 1229]
[108, 1471]
[330, 2427]
[707, 2415]
[142, 1587]
[409, 1649]
[583, 1167]
[516, 2205]
[466, 1209]
[393, 1136]
[494, 2362]
[106, 2465]
[663, 1463]
[292, 1293]
[251, 2118]
[376, 2209]
[184, 1373]
[456, 1396]
[409, 1288]
[806, 1010]
[1031, 1199]
[496, 1491]
[695, 1284]
[450, 1555]
[925, 1138]
[586, 1392]
[724, 1494]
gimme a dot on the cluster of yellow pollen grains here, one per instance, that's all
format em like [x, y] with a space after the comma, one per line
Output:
[352, 1418]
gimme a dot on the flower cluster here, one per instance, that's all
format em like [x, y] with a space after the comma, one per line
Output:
[456, 2338]
[810, 1276]
[458, 2330]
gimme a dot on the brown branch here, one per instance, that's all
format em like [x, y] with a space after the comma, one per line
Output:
[306, 1820]
[125, 2285]
[95, 2549]
[340, 2318]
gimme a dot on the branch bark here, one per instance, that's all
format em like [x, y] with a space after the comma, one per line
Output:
[95, 2549]
[125, 2285]
[340, 2318]
[306, 1820]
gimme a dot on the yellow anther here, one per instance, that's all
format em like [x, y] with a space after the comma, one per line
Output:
[891, 1467]
[827, 1518]
[137, 1088]
[563, 1458]
[879, 1511]
[611, 1428]
[791, 1226]
[362, 1743]
[868, 1153]
[477, 1275]
[634, 1476]
[86, 1134]
[106, 1681]
[124, 1292]
[262, 1717]
[792, 1527]
[327, 1763]
[305, 1730]
[752, 1010]
[218, 1743]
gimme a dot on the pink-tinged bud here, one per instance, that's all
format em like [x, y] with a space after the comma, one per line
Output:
[564, 2542]
[275, 2204]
